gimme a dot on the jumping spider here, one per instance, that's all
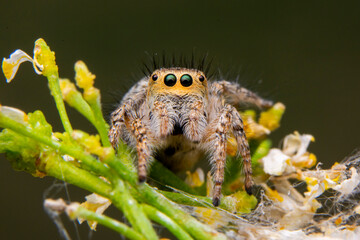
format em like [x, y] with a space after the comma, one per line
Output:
[178, 115]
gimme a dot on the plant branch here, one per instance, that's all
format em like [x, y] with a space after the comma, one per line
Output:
[107, 222]
[123, 200]
[196, 229]
[162, 174]
[46, 58]
[167, 222]
[89, 161]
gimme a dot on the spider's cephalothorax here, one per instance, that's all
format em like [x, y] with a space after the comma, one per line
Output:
[178, 115]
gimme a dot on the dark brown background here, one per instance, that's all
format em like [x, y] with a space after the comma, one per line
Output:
[305, 55]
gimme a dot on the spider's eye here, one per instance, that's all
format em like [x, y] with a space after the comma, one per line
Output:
[186, 80]
[154, 77]
[201, 78]
[170, 80]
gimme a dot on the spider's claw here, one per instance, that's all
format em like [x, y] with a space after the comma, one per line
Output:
[216, 201]
[142, 179]
[249, 190]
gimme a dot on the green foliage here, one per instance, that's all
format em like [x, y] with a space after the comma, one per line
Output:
[23, 152]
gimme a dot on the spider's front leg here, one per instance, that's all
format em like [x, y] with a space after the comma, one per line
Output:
[125, 122]
[215, 138]
[118, 123]
[142, 147]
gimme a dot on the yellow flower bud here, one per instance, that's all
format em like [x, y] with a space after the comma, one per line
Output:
[83, 77]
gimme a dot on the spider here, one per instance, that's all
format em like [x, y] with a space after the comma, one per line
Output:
[176, 115]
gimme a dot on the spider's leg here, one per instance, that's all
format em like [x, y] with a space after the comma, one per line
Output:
[131, 101]
[142, 147]
[125, 120]
[217, 138]
[117, 123]
[243, 147]
[237, 95]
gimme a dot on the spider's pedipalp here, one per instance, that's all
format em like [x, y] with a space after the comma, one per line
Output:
[162, 117]
[193, 118]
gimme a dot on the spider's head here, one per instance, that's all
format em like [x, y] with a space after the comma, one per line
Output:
[177, 81]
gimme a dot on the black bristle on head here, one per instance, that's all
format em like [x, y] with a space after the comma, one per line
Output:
[163, 58]
[192, 58]
[155, 61]
[194, 61]
[146, 69]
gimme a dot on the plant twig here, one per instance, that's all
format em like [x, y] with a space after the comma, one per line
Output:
[108, 222]
[75, 99]
[161, 174]
[91, 163]
[196, 229]
[100, 123]
[167, 222]
[46, 58]
[123, 200]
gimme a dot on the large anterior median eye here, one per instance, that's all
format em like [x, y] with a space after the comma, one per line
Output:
[170, 80]
[186, 80]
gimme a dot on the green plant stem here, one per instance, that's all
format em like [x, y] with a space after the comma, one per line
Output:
[54, 166]
[245, 205]
[76, 100]
[123, 200]
[46, 58]
[91, 163]
[191, 200]
[167, 222]
[121, 169]
[108, 222]
[100, 123]
[196, 229]
[162, 174]
[56, 92]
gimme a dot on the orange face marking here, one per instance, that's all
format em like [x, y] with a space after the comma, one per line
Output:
[177, 81]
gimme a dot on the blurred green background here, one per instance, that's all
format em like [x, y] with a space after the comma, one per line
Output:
[305, 54]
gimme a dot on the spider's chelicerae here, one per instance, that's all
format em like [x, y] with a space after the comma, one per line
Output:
[176, 115]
